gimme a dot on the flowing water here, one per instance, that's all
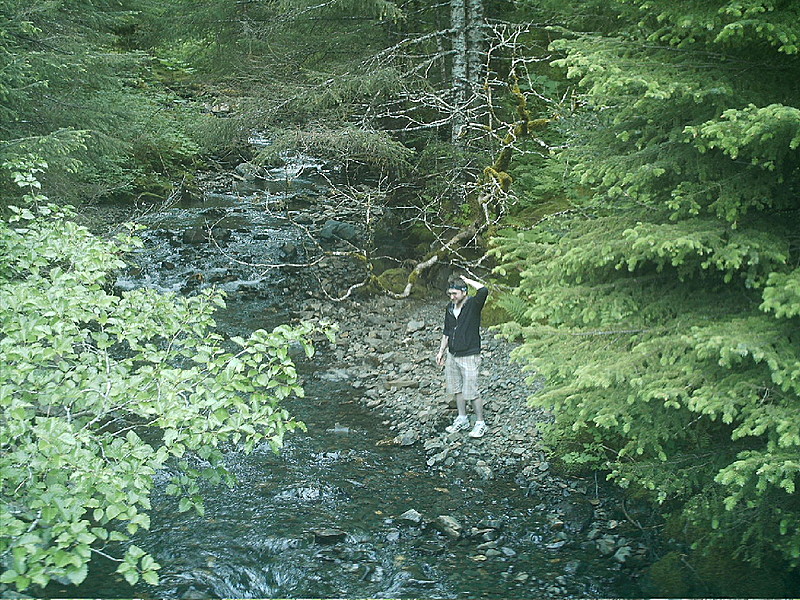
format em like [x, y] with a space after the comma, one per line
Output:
[321, 519]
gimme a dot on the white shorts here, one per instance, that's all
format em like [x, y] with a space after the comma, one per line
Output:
[461, 375]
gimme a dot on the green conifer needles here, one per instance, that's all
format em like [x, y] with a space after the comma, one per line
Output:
[663, 310]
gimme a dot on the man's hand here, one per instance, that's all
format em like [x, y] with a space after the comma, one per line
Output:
[471, 282]
[440, 357]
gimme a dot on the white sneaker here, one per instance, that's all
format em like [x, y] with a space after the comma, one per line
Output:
[478, 430]
[460, 424]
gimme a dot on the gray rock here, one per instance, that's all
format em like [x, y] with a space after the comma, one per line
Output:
[335, 375]
[408, 437]
[400, 383]
[195, 235]
[221, 234]
[433, 444]
[448, 526]
[412, 516]
[289, 250]
[577, 512]
[339, 429]
[490, 524]
[484, 472]
[606, 545]
[439, 457]
[328, 535]
[414, 326]
[622, 554]
[573, 567]
[490, 535]
[191, 593]
[337, 229]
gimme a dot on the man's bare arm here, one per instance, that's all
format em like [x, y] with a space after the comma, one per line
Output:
[471, 282]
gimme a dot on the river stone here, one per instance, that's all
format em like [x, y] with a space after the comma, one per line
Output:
[622, 554]
[484, 472]
[289, 250]
[192, 593]
[448, 526]
[408, 437]
[221, 234]
[490, 535]
[412, 516]
[606, 545]
[438, 457]
[415, 326]
[400, 383]
[337, 229]
[328, 535]
[433, 444]
[577, 512]
[245, 169]
[199, 235]
[490, 524]
[194, 235]
[335, 374]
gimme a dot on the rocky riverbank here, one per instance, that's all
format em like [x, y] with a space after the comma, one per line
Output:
[385, 350]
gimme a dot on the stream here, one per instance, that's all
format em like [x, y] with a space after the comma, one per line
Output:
[336, 514]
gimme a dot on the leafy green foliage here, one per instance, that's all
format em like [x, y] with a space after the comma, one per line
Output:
[662, 307]
[99, 391]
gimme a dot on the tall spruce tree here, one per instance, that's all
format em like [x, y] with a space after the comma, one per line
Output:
[662, 310]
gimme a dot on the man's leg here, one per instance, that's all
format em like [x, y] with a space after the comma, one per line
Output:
[471, 391]
[461, 404]
[454, 380]
[461, 421]
[477, 404]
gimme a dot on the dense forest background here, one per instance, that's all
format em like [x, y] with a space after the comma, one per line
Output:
[629, 170]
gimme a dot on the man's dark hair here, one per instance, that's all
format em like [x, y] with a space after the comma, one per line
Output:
[456, 283]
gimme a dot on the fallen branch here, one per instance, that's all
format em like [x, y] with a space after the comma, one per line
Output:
[430, 261]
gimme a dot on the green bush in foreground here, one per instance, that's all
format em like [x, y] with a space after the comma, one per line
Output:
[99, 391]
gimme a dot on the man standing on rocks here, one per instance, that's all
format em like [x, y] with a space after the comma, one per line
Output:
[460, 351]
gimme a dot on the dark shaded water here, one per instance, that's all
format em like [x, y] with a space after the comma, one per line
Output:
[261, 539]
[258, 539]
